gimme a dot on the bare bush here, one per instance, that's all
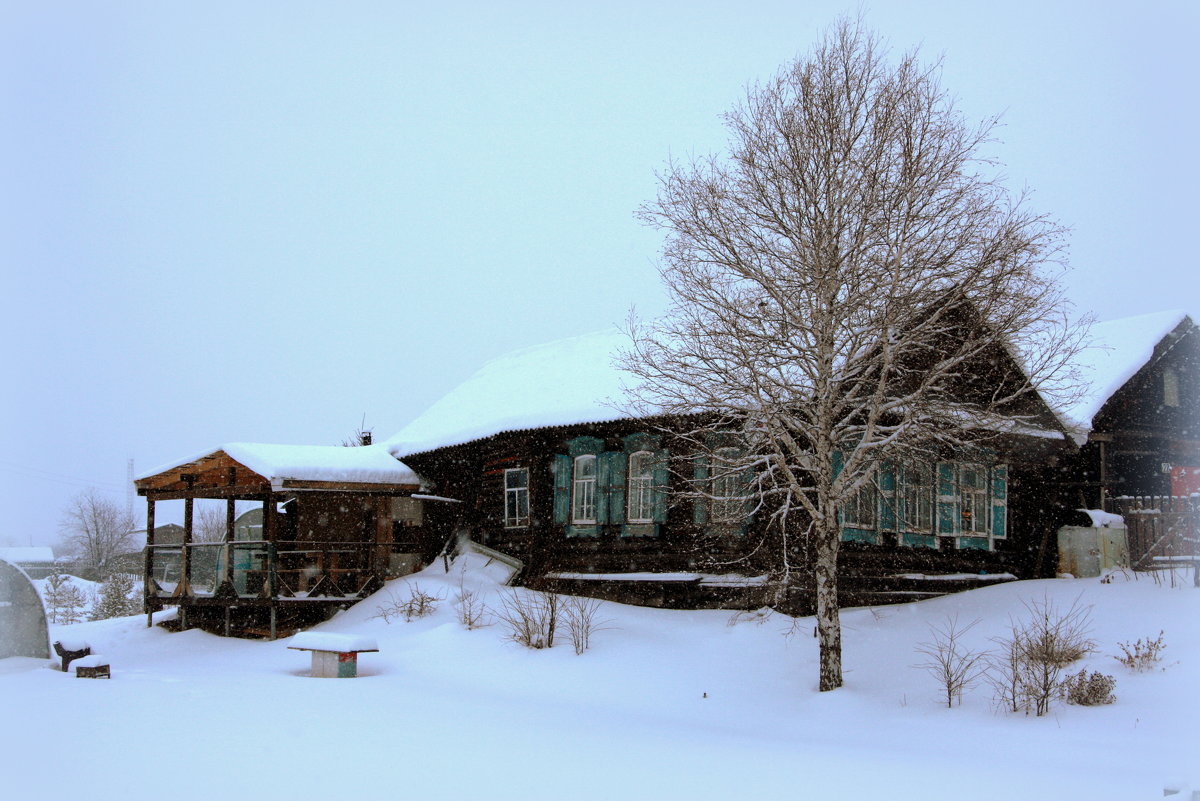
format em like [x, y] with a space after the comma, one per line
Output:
[580, 614]
[531, 617]
[1141, 654]
[470, 609]
[1093, 690]
[955, 667]
[1005, 670]
[418, 604]
[1027, 672]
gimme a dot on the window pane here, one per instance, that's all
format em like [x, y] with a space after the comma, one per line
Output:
[641, 481]
[583, 502]
[516, 497]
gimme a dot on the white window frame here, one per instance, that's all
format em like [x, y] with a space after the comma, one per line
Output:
[865, 498]
[516, 498]
[974, 501]
[918, 495]
[583, 489]
[726, 506]
[640, 493]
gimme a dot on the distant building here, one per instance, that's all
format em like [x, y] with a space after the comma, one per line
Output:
[37, 562]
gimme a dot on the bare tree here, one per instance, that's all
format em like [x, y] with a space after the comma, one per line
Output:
[96, 529]
[209, 525]
[839, 284]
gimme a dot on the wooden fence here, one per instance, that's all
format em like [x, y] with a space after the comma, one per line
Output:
[1161, 529]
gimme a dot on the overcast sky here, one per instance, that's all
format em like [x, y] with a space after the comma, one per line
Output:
[262, 221]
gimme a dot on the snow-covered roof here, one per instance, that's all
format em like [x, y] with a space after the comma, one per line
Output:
[1119, 348]
[27, 554]
[567, 381]
[575, 380]
[368, 464]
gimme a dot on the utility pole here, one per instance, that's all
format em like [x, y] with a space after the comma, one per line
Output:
[129, 490]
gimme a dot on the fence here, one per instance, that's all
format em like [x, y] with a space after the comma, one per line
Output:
[1161, 529]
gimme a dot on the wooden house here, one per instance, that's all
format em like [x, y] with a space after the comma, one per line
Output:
[533, 458]
[334, 523]
[1137, 421]
[588, 498]
[1137, 425]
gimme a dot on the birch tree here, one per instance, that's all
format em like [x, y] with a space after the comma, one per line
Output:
[837, 283]
[96, 529]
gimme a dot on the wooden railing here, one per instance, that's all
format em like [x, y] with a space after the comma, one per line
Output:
[259, 569]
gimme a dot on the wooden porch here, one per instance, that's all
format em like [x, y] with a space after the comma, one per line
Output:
[335, 525]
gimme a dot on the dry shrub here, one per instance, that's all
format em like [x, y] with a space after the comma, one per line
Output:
[955, 667]
[580, 614]
[470, 609]
[1027, 671]
[418, 604]
[531, 617]
[1093, 690]
[1142, 654]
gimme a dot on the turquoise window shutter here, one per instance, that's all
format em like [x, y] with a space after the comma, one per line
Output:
[1000, 501]
[947, 499]
[887, 497]
[700, 479]
[610, 505]
[661, 479]
[562, 488]
[603, 487]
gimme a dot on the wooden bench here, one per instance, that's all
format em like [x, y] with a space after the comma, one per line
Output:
[334, 656]
[92, 667]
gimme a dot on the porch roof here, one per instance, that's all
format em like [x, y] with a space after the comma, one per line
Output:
[247, 468]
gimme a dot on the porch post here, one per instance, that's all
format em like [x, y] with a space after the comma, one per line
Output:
[147, 573]
[272, 557]
[230, 509]
[185, 577]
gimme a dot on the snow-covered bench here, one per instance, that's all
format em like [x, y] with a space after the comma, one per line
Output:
[334, 656]
[92, 667]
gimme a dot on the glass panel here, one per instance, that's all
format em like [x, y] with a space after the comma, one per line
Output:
[207, 564]
[516, 497]
[918, 497]
[641, 481]
[972, 498]
[583, 504]
[166, 566]
[727, 503]
[249, 568]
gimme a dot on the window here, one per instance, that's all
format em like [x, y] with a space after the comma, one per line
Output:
[918, 502]
[916, 495]
[1170, 388]
[516, 497]
[973, 503]
[583, 490]
[859, 509]
[641, 487]
[728, 505]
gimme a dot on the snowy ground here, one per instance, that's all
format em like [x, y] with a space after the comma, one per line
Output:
[446, 713]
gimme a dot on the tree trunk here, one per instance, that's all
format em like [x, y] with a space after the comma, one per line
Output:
[829, 627]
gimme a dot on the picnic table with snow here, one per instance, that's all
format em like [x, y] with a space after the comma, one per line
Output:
[334, 656]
